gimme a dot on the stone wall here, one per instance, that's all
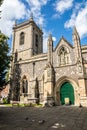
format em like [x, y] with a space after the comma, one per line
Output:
[69, 71]
[56, 61]
[34, 69]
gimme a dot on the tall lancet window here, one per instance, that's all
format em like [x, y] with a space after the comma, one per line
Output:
[36, 43]
[63, 56]
[24, 86]
[22, 36]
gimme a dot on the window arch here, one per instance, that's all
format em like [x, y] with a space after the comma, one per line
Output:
[36, 43]
[64, 56]
[22, 36]
[24, 85]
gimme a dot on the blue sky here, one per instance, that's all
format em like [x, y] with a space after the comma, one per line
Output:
[54, 16]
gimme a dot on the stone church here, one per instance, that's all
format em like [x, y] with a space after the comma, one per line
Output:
[56, 77]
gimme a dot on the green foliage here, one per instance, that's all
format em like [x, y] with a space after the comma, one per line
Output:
[16, 84]
[5, 100]
[5, 59]
[33, 105]
[8, 105]
[21, 105]
[1, 2]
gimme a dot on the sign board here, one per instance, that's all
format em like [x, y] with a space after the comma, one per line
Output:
[67, 101]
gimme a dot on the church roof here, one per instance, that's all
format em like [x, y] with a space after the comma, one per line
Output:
[62, 38]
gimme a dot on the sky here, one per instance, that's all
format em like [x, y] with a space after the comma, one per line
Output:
[57, 17]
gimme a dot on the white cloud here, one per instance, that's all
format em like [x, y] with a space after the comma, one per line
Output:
[54, 39]
[11, 10]
[36, 4]
[45, 44]
[44, 2]
[45, 38]
[79, 19]
[35, 8]
[62, 5]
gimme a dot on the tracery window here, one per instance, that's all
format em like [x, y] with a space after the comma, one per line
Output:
[63, 56]
[22, 36]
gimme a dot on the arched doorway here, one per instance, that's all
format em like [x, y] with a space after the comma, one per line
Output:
[67, 93]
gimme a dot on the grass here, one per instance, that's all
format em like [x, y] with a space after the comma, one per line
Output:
[24, 105]
[33, 105]
[8, 105]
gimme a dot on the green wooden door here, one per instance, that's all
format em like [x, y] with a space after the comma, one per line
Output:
[67, 91]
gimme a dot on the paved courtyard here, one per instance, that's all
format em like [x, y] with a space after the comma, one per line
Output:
[54, 118]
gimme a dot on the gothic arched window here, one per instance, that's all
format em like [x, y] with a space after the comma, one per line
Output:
[24, 85]
[63, 56]
[22, 38]
[15, 56]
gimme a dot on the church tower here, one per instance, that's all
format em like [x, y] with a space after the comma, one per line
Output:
[27, 39]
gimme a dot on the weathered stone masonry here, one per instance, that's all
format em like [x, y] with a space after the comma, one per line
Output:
[43, 75]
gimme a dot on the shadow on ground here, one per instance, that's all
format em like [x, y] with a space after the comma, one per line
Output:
[50, 118]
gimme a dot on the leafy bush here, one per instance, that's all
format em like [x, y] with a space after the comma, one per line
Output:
[5, 100]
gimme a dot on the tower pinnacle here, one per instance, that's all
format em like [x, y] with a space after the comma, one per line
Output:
[31, 16]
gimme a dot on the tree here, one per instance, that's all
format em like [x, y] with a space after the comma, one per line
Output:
[16, 82]
[1, 2]
[0, 5]
[15, 79]
[5, 59]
